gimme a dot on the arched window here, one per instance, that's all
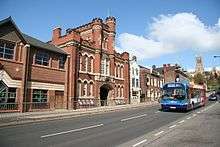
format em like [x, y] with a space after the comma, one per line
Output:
[119, 91]
[103, 66]
[107, 66]
[122, 70]
[91, 89]
[91, 64]
[115, 70]
[85, 88]
[105, 43]
[119, 74]
[122, 91]
[86, 62]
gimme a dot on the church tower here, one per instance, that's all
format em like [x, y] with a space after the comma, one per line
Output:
[199, 65]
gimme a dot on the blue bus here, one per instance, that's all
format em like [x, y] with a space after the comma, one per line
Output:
[182, 96]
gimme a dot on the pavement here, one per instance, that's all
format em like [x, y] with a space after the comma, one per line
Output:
[7, 119]
[112, 128]
[197, 129]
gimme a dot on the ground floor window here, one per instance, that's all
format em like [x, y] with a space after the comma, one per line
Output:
[39, 95]
[7, 94]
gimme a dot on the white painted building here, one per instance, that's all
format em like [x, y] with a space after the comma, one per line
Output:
[134, 81]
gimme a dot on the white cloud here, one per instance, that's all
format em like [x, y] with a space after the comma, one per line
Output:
[170, 34]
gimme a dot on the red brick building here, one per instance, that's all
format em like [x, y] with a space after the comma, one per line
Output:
[151, 84]
[172, 72]
[33, 74]
[98, 75]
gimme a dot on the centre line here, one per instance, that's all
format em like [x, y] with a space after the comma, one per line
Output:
[158, 133]
[70, 131]
[133, 117]
[139, 143]
[182, 121]
[172, 126]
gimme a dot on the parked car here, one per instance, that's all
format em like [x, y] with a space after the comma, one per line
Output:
[214, 97]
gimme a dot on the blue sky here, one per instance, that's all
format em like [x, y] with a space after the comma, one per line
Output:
[134, 20]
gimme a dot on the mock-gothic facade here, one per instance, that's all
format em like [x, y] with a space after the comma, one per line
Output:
[98, 74]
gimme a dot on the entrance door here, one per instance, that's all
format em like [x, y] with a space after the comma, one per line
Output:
[59, 96]
[104, 92]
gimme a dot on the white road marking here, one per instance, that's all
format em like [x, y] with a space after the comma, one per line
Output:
[172, 126]
[194, 115]
[158, 133]
[139, 143]
[198, 112]
[133, 117]
[157, 111]
[182, 121]
[70, 131]
[188, 117]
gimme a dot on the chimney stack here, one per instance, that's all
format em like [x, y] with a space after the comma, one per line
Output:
[56, 33]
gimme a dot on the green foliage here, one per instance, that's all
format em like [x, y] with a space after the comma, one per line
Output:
[199, 78]
[213, 81]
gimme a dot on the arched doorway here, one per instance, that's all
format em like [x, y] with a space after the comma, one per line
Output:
[104, 94]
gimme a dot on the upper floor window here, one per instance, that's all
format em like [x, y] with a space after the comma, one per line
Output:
[136, 72]
[133, 82]
[61, 62]
[42, 58]
[137, 83]
[105, 66]
[6, 50]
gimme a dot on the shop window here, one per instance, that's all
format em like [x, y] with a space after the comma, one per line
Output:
[39, 95]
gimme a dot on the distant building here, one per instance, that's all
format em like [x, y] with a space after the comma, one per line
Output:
[151, 84]
[199, 65]
[134, 81]
[172, 73]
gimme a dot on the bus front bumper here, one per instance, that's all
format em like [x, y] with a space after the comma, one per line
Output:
[174, 107]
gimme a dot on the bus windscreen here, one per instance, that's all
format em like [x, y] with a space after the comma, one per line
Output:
[174, 91]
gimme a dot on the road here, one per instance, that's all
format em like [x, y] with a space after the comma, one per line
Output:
[98, 130]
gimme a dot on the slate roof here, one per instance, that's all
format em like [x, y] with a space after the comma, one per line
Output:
[37, 43]
[33, 41]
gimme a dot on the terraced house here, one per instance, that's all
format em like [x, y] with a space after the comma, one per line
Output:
[98, 75]
[33, 74]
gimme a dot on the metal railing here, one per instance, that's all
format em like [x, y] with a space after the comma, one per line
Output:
[91, 103]
[36, 105]
[8, 106]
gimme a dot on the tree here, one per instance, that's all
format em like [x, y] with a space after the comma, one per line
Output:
[199, 78]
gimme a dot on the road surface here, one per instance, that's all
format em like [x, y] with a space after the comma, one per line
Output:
[98, 130]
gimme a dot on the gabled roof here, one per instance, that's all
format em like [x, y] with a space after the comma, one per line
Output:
[32, 41]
